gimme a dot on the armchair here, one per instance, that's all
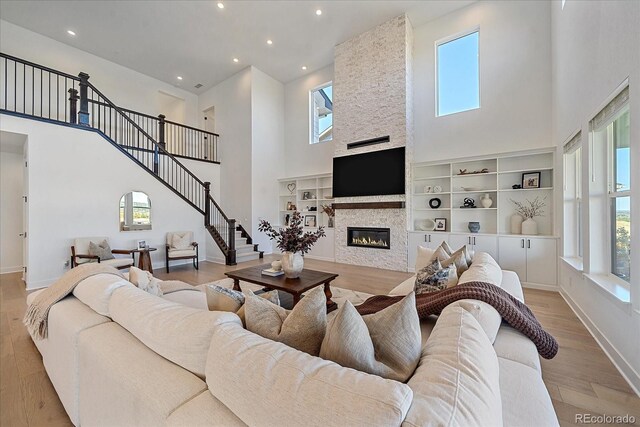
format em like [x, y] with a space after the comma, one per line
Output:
[180, 245]
[80, 254]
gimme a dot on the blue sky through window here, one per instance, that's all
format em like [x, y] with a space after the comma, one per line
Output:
[458, 75]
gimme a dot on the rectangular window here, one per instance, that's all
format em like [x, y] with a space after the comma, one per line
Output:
[573, 198]
[458, 76]
[322, 114]
[620, 195]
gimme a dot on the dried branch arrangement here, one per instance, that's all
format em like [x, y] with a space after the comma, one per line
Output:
[530, 209]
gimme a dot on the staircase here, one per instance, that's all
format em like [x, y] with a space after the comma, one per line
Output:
[153, 143]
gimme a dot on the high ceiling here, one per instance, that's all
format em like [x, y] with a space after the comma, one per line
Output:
[197, 40]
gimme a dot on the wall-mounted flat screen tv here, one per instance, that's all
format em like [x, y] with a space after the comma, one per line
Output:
[369, 174]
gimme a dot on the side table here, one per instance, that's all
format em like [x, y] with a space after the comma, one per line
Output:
[144, 260]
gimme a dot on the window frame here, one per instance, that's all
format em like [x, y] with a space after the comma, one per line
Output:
[574, 156]
[312, 113]
[446, 40]
[612, 192]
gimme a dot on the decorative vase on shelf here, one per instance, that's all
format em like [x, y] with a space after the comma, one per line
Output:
[516, 224]
[474, 226]
[292, 264]
[486, 201]
[529, 226]
[330, 222]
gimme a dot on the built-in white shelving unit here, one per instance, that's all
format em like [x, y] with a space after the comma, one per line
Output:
[504, 171]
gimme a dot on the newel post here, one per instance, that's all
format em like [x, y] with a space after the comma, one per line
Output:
[161, 137]
[73, 105]
[207, 205]
[231, 257]
[83, 114]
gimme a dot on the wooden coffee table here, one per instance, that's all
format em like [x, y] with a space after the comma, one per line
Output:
[308, 279]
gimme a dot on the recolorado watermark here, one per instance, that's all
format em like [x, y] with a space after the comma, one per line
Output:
[605, 419]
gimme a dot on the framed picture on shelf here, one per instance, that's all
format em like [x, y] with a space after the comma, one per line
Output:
[306, 195]
[441, 224]
[531, 180]
[310, 221]
[142, 244]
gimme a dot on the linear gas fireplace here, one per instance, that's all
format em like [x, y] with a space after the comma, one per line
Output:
[367, 237]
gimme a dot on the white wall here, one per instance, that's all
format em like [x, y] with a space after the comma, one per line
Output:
[300, 157]
[267, 151]
[232, 102]
[515, 82]
[123, 86]
[77, 196]
[11, 192]
[596, 45]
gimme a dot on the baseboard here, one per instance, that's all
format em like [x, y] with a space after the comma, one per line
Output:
[552, 288]
[7, 270]
[626, 370]
[217, 260]
[32, 286]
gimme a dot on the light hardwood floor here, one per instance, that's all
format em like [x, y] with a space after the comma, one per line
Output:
[580, 379]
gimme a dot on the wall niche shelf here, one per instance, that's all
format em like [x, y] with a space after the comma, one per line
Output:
[504, 171]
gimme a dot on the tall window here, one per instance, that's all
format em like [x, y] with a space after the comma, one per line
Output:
[458, 77]
[322, 114]
[620, 195]
[610, 187]
[573, 197]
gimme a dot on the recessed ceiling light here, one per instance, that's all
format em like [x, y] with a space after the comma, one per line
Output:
[220, 5]
[269, 41]
[318, 12]
[71, 33]
[179, 77]
[304, 67]
[236, 60]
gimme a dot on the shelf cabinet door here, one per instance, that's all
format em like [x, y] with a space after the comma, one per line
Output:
[513, 255]
[456, 241]
[488, 244]
[541, 261]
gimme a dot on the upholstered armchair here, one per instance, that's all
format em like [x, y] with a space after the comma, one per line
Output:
[81, 254]
[180, 245]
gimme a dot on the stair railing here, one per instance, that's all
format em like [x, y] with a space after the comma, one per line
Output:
[127, 130]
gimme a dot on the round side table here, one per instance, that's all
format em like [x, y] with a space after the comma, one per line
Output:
[144, 260]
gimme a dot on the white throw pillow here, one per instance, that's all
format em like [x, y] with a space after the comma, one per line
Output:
[96, 291]
[484, 269]
[181, 241]
[423, 258]
[145, 281]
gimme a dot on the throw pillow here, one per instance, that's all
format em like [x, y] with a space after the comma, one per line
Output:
[302, 328]
[446, 247]
[271, 296]
[435, 278]
[145, 281]
[386, 343]
[181, 241]
[101, 250]
[423, 258]
[459, 258]
[220, 298]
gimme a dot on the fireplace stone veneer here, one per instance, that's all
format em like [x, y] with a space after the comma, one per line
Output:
[368, 237]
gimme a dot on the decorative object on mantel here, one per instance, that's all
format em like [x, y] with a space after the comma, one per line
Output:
[468, 203]
[516, 223]
[327, 209]
[291, 187]
[293, 241]
[435, 203]
[441, 224]
[531, 180]
[486, 201]
[426, 225]
[437, 189]
[464, 172]
[528, 210]
[474, 226]
[516, 186]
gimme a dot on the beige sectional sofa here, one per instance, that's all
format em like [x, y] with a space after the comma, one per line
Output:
[147, 361]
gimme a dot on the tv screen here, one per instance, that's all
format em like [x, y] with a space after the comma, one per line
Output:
[369, 174]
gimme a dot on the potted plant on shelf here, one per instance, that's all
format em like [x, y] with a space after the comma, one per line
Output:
[528, 210]
[293, 241]
[328, 209]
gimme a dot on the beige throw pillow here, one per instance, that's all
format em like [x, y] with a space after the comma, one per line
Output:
[386, 343]
[223, 299]
[458, 258]
[101, 250]
[181, 241]
[145, 281]
[423, 258]
[302, 328]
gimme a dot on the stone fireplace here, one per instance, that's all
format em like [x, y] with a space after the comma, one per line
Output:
[369, 237]
[372, 100]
